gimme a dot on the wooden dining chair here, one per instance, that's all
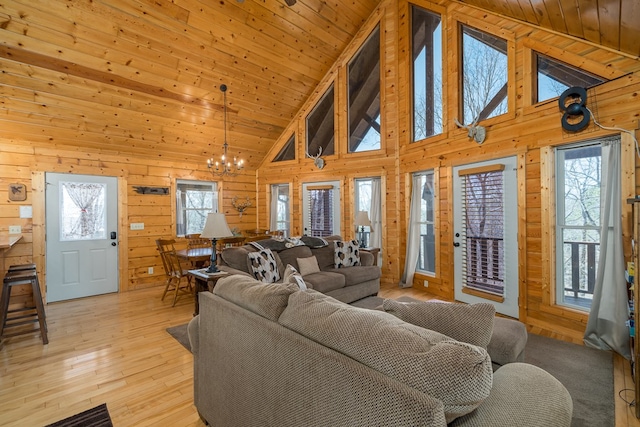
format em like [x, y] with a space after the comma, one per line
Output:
[194, 241]
[173, 270]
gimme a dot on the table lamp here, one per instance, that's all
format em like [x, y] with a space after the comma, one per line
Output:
[215, 227]
[362, 220]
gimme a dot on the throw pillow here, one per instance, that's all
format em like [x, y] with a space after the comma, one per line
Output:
[291, 276]
[308, 265]
[472, 323]
[264, 266]
[346, 253]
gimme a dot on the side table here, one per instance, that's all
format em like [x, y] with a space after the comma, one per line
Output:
[204, 282]
[374, 252]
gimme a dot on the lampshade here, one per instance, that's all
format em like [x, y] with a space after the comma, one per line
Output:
[362, 218]
[215, 227]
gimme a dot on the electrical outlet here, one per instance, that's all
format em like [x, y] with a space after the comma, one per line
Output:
[425, 283]
[15, 229]
[137, 226]
[150, 270]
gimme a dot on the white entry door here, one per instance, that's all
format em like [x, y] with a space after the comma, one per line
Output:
[82, 244]
[485, 213]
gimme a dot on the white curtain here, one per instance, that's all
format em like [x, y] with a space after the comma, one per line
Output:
[375, 215]
[606, 327]
[273, 220]
[180, 225]
[85, 196]
[413, 233]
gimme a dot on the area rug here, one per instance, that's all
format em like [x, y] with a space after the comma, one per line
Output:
[180, 334]
[95, 417]
[587, 374]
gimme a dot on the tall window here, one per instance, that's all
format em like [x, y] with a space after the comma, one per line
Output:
[426, 48]
[425, 222]
[554, 77]
[280, 216]
[363, 194]
[320, 126]
[578, 190]
[364, 96]
[194, 200]
[484, 75]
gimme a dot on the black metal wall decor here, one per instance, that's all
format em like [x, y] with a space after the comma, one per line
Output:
[151, 190]
[573, 103]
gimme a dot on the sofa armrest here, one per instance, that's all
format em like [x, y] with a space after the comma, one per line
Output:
[366, 258]
[232, 270]
[522, 395]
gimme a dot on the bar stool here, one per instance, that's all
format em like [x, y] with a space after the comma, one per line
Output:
[22, 267]
[13, 318]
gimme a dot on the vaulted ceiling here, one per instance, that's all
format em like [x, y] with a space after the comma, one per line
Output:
[143, 76]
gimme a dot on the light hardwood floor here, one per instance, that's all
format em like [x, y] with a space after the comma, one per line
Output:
[114, 349]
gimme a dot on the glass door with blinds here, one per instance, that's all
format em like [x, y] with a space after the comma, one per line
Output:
[321, 208]
[485, 208]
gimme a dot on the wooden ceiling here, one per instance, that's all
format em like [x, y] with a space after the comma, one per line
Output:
[611, 23]
[143, 76]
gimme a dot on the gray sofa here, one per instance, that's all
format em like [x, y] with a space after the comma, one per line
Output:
[274, 355]
[345, 284]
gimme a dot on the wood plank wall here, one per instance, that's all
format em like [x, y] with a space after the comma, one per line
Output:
[523, 132]
[526, 131]
[27, 163]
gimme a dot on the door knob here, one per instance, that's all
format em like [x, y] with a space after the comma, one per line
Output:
[113, 243]
[456, 244]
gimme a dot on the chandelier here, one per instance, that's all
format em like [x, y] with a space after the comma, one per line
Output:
[225, 166]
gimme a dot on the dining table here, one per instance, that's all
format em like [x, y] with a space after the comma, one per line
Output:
[195, 256]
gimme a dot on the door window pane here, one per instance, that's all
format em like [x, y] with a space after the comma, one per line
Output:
[320, 212]
[82, 211]
[426, 47]
[484, 75]
[483, 241]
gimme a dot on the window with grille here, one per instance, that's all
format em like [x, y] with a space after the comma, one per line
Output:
[483, 215]
[194, 200]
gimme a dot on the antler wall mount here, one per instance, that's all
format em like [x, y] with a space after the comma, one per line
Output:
[317, 160]
[475, 132]
[242, 206]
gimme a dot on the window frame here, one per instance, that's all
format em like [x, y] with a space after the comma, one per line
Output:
[179, 199]
[287, 214]
[427, 222]
[356, 59]
[413, 76]
[559, 213]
